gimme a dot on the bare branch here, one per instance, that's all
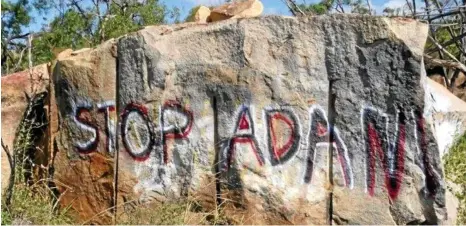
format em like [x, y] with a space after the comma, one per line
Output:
[453, 12]
[30, 37]
[19, 60]
[450, 31]
[444, 63]
[449, 42]
[460, 65]
[11, 181]
[294, 8]
[339, 4]
[369, 7]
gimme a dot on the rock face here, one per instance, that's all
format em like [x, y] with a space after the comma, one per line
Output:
[285, 120]
[84, 147]
[14, 103]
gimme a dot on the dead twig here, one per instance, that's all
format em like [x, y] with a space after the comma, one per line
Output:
[294, 8]
[444, 63]
[11, 181]
[460, 65]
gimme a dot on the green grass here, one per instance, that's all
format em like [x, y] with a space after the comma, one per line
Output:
[33, 205]
[455, 171]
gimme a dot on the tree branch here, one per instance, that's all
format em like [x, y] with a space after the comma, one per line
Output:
[294, 8]
[20, 59]
[450, 31]
[17, 37]
[11, 181]
[449, 42]
[444, 63]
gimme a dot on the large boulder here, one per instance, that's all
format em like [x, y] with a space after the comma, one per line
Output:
[16, 88]
[84, 146]
[274, 119]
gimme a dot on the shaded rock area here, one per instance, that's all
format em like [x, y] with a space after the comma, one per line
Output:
[274, 119]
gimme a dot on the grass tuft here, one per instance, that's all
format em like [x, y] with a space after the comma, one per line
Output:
[33, 205]
[173, 213]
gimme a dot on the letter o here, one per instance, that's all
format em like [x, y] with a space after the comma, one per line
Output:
[134, 120]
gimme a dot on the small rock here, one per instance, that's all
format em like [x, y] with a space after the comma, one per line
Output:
[202, 14]
[237, 9]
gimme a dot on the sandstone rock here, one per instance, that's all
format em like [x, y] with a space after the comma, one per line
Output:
[439, 79]
[448, 115]
[237, 9]
[440, 99]
[84, 86]
[267, 115]
[14, 102]
[64, 54]
[202, 14]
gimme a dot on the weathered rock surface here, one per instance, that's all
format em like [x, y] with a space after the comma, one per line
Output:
[202, 14]
[237, 9]
[84, 85]
[14, 102]
[244, 112]
[448, 114]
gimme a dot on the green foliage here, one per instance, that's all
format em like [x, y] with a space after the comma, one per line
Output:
[315, 9]
[79, 24]
[442, 35]
[130, 19]
[33, 206]
[455, 171]
[325, 6]
[15, 15]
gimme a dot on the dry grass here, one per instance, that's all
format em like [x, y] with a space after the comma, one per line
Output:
[173, 213]
[33, 205]
[455, 171]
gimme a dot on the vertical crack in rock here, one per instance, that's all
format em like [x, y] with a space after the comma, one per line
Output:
[117, 141]
[331, 139]
[217, 152]
[329, 64]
